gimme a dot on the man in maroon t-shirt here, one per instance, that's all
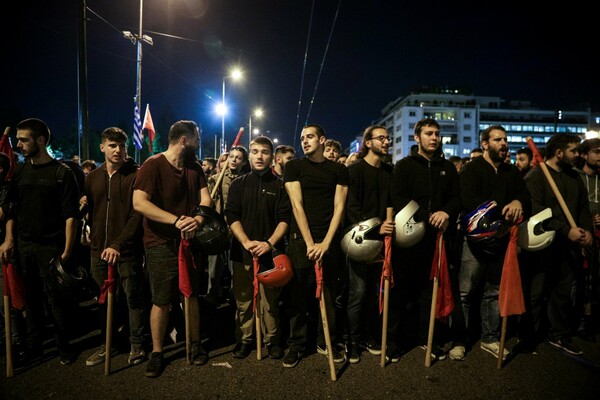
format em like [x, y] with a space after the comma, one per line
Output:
[168, 188]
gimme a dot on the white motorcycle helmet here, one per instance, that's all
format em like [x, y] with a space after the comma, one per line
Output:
[361, 241]
[408, 231]
[532, 236]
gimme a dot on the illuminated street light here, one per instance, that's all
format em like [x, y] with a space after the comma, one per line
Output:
[257, 113]
[235, 75]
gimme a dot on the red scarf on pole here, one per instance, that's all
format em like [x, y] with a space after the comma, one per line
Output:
[13, 286]
[186, 260]
[319, 279]
[510, 297]
[256, 267]
[109, 284]
[386, 270]
[439, 270]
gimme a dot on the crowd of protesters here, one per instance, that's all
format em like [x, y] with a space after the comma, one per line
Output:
[136, 220]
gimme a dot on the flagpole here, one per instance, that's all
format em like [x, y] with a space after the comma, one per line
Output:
[138, 90]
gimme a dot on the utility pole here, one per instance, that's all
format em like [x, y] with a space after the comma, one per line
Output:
[138, 39]
[83, 109]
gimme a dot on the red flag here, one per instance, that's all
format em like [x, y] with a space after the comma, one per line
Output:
[148, 124]
[386, 270]
[319, 279]
[510, 297]
[108, 285]
[439, 270]
[186, 260]
[13, 286]
[256, 266]
[6, 148]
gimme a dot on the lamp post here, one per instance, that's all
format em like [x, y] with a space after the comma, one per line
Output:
[257, 113]
[138, 39]
[235, 75]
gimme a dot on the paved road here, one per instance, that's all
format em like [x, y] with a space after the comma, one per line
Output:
[551, 374]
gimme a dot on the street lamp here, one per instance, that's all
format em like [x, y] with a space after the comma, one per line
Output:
[138, 39]
[235, 75]
[257, 113]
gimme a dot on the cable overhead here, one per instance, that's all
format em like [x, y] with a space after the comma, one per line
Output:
[312, 100]
[303, 72]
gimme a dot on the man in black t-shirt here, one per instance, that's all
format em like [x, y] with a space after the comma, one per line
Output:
[317, 188]
[46, 197]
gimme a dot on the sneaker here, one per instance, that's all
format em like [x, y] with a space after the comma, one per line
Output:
[494, 349]
[436, 352]
[292, 358]
[137, 355]
[275, 352]
[199, 354]
[242, 350]
[99, 356]
[393, 354]
[457, 353]
[353, 353]
[525, 347]
[338, 356]
[567, 345]
[66, 356]
[374, 349]
[155, 365]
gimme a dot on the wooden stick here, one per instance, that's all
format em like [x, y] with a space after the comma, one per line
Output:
[386, 300]
[328, 344]
[557, 194]
[257, 314]
[109, 324]
[188, 330]
[502, 341]
[432, 310]
[8, 336]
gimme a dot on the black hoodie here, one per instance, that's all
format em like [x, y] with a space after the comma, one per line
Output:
[114, 223]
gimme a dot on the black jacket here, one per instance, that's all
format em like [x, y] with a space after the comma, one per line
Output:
[259, 203]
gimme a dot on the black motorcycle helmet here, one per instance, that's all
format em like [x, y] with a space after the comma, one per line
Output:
[213, 237]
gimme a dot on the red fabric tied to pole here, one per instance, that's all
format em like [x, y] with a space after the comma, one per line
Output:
[510, 297]
[109, 284]
[13, 286]
[256, 266]
[439, 269]
[186, 260]
[319, 280]
[6, 148]
[386, 270]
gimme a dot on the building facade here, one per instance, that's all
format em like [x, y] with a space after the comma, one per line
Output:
[462, 116]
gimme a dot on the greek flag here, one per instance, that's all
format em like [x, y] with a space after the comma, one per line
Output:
[137, 127]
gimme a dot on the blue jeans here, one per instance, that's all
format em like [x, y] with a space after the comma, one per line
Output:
[363, 297]
[476, 275]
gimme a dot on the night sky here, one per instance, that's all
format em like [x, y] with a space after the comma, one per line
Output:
[379, 50]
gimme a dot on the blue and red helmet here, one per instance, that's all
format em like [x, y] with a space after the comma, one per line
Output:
[483, 223]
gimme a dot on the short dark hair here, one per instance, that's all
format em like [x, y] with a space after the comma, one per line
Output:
[425, 122]
[113, 134]
[211, 160]
[318, 128]
[37, 127]
[526, 151]
[484, 136]
[242, 150]
[263, 140]
[560, 141]
[91, 164]
[589, 144]
[333, 143]
[284, 148]
[455, 159]
[181, 128]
